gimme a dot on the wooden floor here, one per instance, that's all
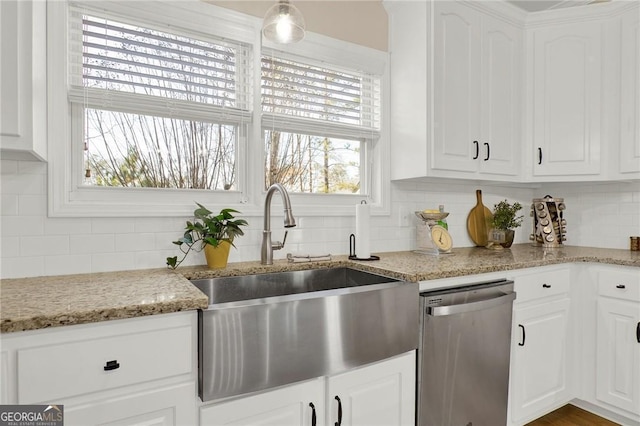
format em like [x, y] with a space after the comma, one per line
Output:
[570, 415]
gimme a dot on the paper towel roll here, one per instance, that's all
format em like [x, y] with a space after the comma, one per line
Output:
[363, 245]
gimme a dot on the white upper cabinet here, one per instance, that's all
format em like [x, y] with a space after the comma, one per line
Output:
[567, 99]
[23, 80]
[501, 94]
[476, 92]
[410, 95]
[630, 92]
[456, 100]
[455, 92]
[471, 100]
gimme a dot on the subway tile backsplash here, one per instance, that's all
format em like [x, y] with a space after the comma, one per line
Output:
[602, 215]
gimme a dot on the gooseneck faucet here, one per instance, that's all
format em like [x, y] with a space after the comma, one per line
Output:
[266, 254]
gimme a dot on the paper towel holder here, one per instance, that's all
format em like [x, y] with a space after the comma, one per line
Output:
[352, 250]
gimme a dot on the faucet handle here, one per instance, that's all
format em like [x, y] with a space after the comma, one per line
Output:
[279, 245]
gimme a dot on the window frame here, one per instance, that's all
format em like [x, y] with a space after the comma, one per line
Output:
[366, 135]
[67, 197]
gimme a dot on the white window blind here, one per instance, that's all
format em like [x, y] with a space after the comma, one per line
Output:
[298, 94]
[132, 67]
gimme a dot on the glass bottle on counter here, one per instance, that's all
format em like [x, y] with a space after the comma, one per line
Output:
[442, 222]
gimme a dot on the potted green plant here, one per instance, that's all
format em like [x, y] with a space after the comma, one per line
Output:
[504, 221]
[212, 232]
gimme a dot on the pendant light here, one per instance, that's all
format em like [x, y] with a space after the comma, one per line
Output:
[283, 23]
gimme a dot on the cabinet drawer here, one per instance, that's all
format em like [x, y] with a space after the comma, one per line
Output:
[623, 285]
[543, 284]
[48, 373]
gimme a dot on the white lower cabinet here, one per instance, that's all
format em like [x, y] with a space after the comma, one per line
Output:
[618, 340]
[540, 379]
[140, 371]
[162, 406]
[540, 349]
[300, 404]
[377, 394]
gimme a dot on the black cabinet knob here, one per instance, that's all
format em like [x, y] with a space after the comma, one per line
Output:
[111, 365]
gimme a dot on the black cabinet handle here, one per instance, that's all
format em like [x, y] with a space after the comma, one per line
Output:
[524, 336]
[111, 365]
[539, 155]
[339, 422]
[488, 152]
[313, 414]
[638, 332]
[546, 286]
[477, 150]
[621, 286]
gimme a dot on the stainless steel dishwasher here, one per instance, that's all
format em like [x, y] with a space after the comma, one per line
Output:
[463, 357]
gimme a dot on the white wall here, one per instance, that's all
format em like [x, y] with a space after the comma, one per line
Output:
[35, 245]
[363, 22]
[601, 214]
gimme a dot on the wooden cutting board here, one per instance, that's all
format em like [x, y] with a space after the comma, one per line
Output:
[478, 222]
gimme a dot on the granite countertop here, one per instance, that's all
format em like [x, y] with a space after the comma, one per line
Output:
[41, 302]
[410, 266]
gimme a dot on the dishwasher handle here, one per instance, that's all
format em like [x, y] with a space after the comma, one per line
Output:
[472, 306]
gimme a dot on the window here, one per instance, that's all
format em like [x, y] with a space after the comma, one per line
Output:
[318, 122]
[154, 105]
[160, 109]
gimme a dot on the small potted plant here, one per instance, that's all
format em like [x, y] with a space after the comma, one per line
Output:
[212, 232]
[505, 220]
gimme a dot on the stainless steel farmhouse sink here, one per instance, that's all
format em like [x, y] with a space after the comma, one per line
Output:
[267, 330]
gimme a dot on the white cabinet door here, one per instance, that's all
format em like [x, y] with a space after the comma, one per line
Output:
[539, 367]
[567, 63]
[630, 93]
[456, 144]
[296, 405]
[5, 376]
[379, 394]
[23, 80]
[165, 406]
[500, 140]
[410, 94]
[618, 353]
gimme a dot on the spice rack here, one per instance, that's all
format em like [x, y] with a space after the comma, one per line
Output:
[549, 225]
